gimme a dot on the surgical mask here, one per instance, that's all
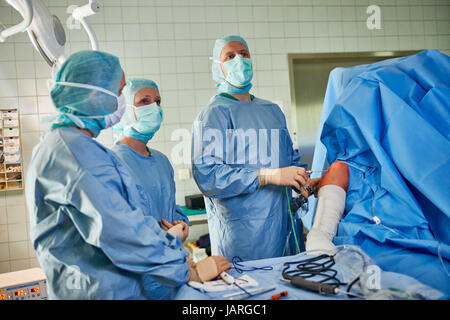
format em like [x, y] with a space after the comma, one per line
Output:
[239, 71]
[230, 89]
[114, 118]
[109, 119]
[149, 119]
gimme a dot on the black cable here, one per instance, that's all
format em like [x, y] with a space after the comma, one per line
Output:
[320, 266]
[351, 285]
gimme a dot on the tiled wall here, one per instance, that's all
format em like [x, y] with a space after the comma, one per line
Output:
[170, 42]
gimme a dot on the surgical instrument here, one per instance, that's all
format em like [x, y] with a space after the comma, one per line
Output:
[321, 267]
[309, 172]
[230, 280]
[321, 288]
[255, 292]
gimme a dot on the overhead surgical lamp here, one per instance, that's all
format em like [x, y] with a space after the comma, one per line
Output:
[45, 30]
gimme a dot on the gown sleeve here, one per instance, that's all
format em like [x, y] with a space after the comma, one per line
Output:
[132, 241]
[214, 177]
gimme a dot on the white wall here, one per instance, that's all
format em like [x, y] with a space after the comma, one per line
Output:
[170, 42]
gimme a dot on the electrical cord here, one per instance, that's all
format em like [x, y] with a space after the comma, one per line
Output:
[319, 266]
[240, 268]
[292, 221]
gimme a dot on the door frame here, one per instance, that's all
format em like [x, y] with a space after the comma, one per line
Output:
[294, 58]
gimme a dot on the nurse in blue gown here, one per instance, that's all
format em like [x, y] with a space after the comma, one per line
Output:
[150, 168]
[89, 224]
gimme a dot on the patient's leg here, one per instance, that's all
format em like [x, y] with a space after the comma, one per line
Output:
[337, 174]
[329, 210]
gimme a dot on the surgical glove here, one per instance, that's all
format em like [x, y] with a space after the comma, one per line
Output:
[311, 187]
[287, 176]
[330, 207]
[178, 228]
[185, 229]
[208, 269]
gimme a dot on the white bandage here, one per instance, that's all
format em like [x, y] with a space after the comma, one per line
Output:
[330, 207]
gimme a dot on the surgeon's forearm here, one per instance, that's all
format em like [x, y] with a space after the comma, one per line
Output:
[224, 181]
[267, 176]
[287, 176]
[262, 179]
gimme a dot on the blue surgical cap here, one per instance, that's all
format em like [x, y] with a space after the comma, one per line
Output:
[94, 68]
[218, 47]
[129, 91]
[134, 85]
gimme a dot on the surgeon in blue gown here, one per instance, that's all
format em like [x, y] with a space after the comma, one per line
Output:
[89, 224]
[150, 168]
[244, 163]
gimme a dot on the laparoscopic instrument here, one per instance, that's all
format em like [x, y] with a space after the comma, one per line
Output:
[301, 201]
[298, 207]
[309, 172]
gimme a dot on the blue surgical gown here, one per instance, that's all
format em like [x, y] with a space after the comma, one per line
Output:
[231, 141]
[89, 225]
[155, 182]
[391, 125]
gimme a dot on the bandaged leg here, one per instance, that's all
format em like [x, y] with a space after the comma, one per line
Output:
[329, 210]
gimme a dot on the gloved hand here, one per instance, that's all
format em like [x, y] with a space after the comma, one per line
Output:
[208, 269]
[288, 176]
[178, 228]
[311, 187]
[185, 229]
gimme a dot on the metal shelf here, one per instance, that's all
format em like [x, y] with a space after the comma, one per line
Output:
[6, 184]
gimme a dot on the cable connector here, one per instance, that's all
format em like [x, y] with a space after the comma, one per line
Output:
[377, 220]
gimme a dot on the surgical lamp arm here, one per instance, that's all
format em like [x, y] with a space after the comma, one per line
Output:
[27, 15]
[80, 13]
[91, 33]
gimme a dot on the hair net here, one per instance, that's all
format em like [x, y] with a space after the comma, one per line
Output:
[218, 47]
[129, 91]
[94, 68]
[134, 85]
